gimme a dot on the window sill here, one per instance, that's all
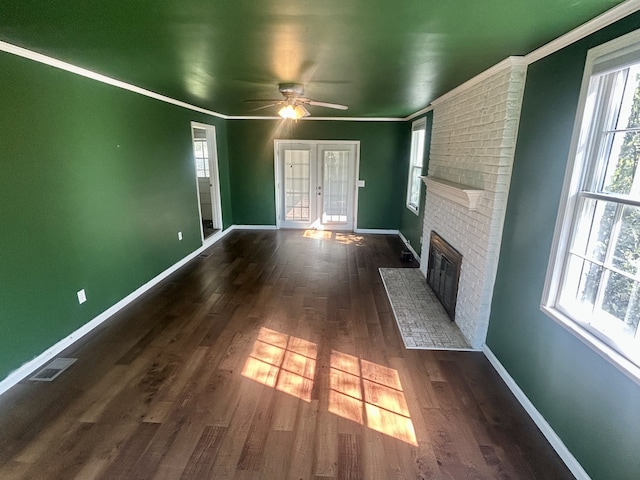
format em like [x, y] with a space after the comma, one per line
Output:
[627, 367]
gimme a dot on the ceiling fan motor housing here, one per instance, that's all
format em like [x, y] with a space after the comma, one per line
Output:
[291, 89]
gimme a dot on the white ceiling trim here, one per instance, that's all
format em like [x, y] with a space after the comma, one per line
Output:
[312, 118]
[607, 18]
[426, 109]
[68, 67]
[498, 67]
[40, 58]
[601, 21]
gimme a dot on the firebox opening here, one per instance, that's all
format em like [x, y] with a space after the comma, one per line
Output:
[443, 272]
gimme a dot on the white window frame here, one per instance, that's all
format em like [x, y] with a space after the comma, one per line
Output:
[202, 161]
[416, 162]
[610, 56]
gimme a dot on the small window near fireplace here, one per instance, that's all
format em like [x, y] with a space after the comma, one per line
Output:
[443, 272]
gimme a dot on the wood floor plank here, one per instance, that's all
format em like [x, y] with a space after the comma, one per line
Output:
[173, 464]
[277, 454]
[326, 454]
[349, 457]
[248, 398]
[304, 441]
[253, 450]
[204, 455]
[274, 355]
[124, 465]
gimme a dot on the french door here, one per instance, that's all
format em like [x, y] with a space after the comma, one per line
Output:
[316, 184]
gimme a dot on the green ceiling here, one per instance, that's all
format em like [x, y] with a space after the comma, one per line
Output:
[382, 58]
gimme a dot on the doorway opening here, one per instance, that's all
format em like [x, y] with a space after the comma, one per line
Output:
[205, 153]
[316, 184]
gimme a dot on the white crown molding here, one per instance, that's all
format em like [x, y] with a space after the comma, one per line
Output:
[607, 18]
[44, 59]
[601, 21]
[355, 119]
[312, 119]
[426, 109]
[505, 64]
[68, 67]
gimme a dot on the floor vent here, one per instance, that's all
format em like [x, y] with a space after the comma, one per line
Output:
[51, 371]
[204, 255]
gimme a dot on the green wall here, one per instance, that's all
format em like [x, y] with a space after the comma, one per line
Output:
[382, 166]
[95, 183]
[411, 225]
[590, 404]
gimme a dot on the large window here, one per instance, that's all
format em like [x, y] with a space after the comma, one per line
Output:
[416, 160]
[594, 280]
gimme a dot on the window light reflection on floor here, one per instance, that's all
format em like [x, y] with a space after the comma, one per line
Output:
[318, 234]
[285, 362]
[343, 238]
[360, 391]
[357, 384]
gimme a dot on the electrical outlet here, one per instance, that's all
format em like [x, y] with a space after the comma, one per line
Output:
[180, 236]
[82, 296]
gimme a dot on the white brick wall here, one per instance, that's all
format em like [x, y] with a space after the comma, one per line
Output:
[473, 143]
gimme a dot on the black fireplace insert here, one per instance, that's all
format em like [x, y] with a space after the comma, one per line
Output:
[443, 272]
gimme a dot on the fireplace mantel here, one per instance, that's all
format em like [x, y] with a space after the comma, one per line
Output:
[464, 195]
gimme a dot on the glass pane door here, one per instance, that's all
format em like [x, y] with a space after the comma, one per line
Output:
[336, 192]
[297, 185]
[297, 190]
[315, 184]
[334, 186]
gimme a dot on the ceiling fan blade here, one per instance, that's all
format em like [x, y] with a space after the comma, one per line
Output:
[262, 100]
[326, 105]
[265, 106]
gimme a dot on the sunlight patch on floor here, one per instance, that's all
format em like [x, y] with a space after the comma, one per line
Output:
[282, 361]
[361, 391]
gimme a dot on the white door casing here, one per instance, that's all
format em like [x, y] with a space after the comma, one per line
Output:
[316, 184]
[213, 182]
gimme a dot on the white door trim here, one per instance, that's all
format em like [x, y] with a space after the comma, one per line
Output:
[314, 144]
[214, 175]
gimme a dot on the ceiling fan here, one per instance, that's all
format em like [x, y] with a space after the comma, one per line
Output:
[293, 105]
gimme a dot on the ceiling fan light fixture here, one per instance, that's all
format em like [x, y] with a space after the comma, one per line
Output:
[293, 112]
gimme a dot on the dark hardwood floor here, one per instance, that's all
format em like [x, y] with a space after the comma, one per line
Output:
[275, 355]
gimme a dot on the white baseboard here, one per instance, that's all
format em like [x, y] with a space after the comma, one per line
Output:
[553, 438]
[254, 227]
[31, 366]
[215, 237]
[408, 245]
[377, 231]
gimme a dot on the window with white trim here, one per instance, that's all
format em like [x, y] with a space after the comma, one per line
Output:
[416, 160]
[594, 278]
[201, 152]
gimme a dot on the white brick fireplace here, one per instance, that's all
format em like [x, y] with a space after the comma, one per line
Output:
[472, 149]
